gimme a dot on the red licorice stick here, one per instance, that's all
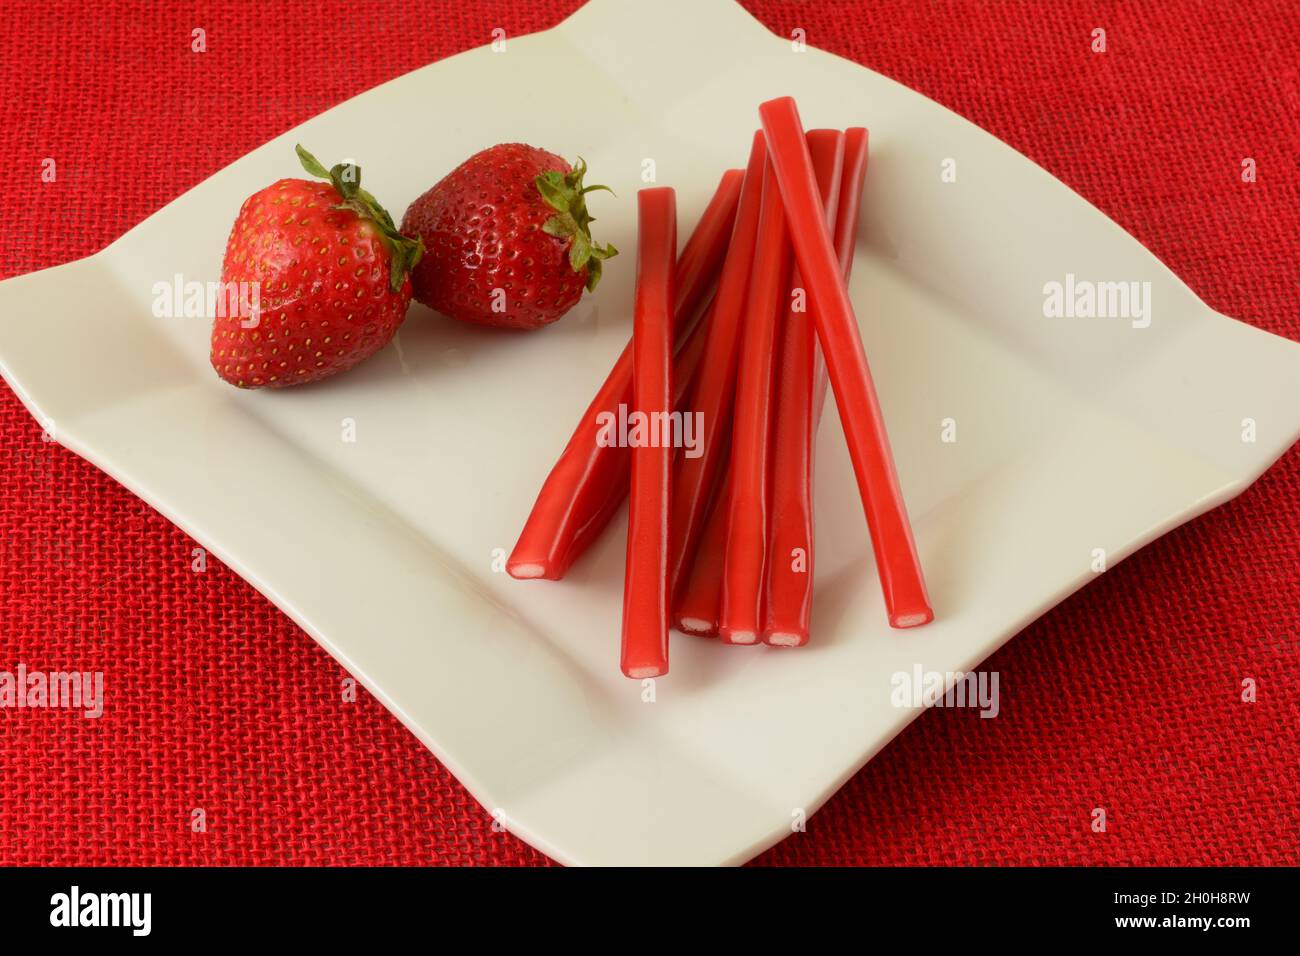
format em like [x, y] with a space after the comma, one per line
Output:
[588, 482]
[645, 582]
[694, 478]
[846, 232]
[699, 599]
[790, 570]
[687, 361]
[897, 563]
[742, 577]
[846, 235]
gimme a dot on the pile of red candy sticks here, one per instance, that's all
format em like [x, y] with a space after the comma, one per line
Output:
[720, 541]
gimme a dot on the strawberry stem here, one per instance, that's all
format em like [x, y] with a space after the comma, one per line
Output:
[565, 193]
[346, 179]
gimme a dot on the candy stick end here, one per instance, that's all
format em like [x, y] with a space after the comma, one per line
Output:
[696, 625]
[911, 619]
[525, 571]
[786, 639]
[645, 670]
[739, 637]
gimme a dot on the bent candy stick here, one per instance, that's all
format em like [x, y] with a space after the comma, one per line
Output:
[645, 584]
[799, 397]
[694, 478]
[589, 481]
[746, 548]
[897, 563]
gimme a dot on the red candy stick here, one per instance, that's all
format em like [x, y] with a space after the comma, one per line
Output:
[699, 598]
[746, 548]
[694, 478]
[837, 328]
[846, 231]
[790, 570]
[588, 483]
[645, 582]
[687, 362]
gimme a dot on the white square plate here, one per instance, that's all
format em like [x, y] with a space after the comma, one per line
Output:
[1072, 434]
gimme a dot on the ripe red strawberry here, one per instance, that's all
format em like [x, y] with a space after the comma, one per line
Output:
[333, 276]
[507, 239]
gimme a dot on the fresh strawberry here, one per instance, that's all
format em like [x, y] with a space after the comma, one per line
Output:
[507, 238]
[333, 277]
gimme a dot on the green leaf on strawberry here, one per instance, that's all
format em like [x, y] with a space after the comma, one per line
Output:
[566, 194]
[405, 252]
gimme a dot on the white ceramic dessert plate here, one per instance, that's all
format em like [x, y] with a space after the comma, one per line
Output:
[1072, 434]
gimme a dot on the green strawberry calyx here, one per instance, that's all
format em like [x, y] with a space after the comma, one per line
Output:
[565, 193]
[346, 179]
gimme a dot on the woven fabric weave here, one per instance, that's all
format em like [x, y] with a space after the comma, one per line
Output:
[1126, 697]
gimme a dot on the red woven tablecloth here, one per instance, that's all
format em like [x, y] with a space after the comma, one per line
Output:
[1125, 697]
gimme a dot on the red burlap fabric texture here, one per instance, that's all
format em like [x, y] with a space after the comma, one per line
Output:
[1126, 697]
